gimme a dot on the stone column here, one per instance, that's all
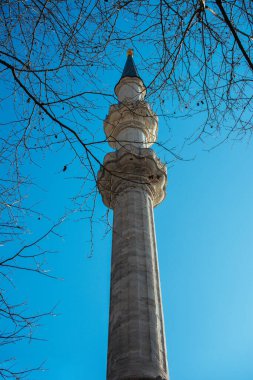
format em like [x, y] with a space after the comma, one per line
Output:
[132, 183]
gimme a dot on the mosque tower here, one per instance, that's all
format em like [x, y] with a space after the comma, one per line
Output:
[132, 181]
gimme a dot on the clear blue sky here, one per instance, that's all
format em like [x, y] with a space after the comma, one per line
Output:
[205, 244]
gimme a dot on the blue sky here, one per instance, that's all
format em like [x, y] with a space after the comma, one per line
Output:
[205, 243]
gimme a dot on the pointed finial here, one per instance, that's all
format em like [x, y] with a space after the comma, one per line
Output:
[130, 69]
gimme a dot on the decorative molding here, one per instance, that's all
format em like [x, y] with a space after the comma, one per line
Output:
[133, 168]
[137, 115]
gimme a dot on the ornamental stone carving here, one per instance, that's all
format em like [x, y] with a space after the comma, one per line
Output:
[136, 116]
[133, 168]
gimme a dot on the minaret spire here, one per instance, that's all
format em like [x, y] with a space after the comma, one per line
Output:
[130, 69]
[130, 87]
[132, 181]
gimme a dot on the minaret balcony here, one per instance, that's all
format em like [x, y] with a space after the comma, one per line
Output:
[135, 168]
[131, 123]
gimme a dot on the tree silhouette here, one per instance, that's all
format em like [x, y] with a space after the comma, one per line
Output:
[52, 54]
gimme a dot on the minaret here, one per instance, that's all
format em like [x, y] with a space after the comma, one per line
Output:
[132, 182]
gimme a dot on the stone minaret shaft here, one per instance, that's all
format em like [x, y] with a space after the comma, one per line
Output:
[132, 181]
